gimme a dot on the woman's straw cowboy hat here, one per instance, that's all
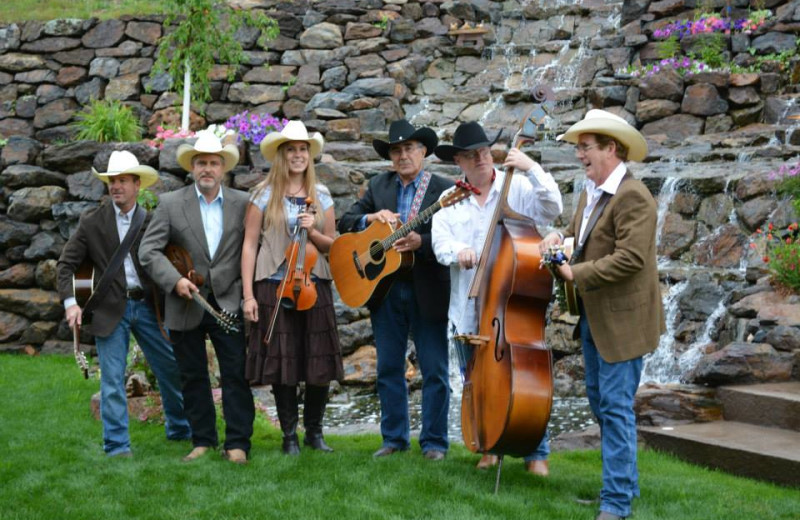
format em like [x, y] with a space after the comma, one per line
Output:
[401, 131]
[208, 143]
[601, 122]
[468, 136]
[125, 163]
[293, 131]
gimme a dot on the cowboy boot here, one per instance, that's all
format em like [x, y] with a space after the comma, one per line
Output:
[286, 404]
[313, 411]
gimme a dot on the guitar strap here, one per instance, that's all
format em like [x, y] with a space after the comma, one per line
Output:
[419, 195]
[116, 262]
[598, 210]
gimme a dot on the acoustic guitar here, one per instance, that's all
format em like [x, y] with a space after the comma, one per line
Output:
[566, 294]
[362, 262]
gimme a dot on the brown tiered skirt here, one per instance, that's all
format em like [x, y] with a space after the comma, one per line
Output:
[304, 345]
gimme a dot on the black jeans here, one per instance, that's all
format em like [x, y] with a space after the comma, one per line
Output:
[237, 399]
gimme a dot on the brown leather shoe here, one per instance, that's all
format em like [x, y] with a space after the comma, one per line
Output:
[196, 453]
[487, 461]
[235, 455]
[434, 455]
[538, 467]
[386, 451]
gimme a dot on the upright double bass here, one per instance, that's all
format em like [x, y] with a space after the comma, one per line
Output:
[508, 389]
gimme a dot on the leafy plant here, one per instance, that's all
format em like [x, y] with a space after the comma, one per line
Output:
[205, 30]
[683, 65]
[107, 120]
[711, 50]
[781, 250]
[254, 127]
[383, 23]
[668, 48]
[147, 199]
[289, 83]
[3, 142]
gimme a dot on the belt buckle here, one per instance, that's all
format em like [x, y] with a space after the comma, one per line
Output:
[134, 294]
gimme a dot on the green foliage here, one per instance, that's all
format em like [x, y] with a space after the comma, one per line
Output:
[289, 83]
[711, 51]
[668, 48]
[383, 23]
[53, 467]
[107, 120]
[22, 10]
[3, 142]
[147, 199]
[204, 33]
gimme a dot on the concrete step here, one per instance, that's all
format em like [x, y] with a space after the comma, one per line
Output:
[770, 404]
[743, 449]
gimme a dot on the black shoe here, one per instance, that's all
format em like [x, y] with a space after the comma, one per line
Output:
[434, 455]
[291, 445]
[385, 451]
[313, 411]
[317, 442]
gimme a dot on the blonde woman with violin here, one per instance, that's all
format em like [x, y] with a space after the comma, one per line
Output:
[289, 226]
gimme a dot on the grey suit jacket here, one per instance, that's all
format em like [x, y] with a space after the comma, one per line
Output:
[177, 220]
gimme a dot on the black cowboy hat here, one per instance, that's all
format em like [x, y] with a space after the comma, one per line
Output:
[401, 131]
[468, 136]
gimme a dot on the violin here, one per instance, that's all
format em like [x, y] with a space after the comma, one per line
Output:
[297, 290]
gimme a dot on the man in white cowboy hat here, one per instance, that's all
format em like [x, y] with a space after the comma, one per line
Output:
[417, 300]
[458, 234]
[615, 273]
[205, 219]
[125, 307]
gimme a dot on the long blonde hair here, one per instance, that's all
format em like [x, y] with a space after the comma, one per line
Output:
[277, 179]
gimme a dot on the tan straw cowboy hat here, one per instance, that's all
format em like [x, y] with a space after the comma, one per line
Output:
[293, 131]
[598, 121]
[125, 163]
[208, 143]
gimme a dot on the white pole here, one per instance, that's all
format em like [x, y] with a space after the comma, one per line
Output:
[187, 88]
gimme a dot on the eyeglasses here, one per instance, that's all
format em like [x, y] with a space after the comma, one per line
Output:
[400, 149]
[583, 148]
[472, 155]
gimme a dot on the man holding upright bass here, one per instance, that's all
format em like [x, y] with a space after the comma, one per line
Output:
[417, 300]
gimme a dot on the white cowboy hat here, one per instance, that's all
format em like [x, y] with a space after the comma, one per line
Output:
[601, 122]
[125, 163]
[293, 131]
[208, 143]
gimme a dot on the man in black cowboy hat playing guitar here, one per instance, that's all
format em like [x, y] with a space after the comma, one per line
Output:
[458, 233]
[417, 300]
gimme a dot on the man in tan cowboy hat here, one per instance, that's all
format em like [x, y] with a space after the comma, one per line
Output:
[205, 219]
[614, 270]
[125, 306]
[458, 234]
[417, 300]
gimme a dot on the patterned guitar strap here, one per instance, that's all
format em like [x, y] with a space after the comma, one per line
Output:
[419, 195]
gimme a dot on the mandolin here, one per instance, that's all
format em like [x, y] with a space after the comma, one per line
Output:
[566, 293]
[182, 261]
[362, 262]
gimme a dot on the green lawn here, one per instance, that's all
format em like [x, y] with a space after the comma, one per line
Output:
[52, 467]
[21, 10]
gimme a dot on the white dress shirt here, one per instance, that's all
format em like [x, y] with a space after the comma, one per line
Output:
[211, 213]
[465, 225]
[593, 194]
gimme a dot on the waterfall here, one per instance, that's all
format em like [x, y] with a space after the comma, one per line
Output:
[661, 365]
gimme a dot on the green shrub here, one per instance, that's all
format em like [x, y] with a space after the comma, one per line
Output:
[107, 120]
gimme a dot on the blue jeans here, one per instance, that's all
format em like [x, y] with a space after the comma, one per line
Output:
[392, 321]
[611, 388]
[464, 353]
[112, 352]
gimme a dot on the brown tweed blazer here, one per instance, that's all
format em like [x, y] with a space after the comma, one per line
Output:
[617, 276]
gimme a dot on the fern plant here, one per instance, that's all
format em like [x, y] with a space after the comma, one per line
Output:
[107, 120]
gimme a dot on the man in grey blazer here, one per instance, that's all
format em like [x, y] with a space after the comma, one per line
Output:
[206, 219]
[615, 272]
